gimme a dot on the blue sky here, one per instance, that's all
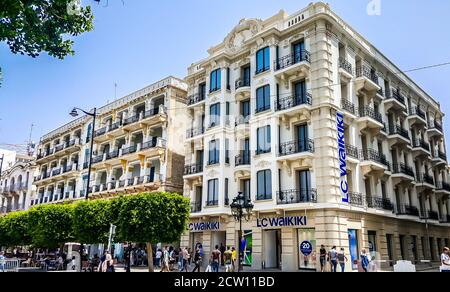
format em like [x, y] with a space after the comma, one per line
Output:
[143, 41]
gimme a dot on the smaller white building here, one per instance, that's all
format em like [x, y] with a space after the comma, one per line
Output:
[16, 185]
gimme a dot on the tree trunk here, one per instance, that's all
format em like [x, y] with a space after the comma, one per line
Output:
[151, 268]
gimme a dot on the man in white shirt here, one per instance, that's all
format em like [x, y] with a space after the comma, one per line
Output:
[445, 261]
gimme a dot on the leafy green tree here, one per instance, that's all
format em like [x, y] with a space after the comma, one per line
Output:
[30, 27]
[14, 229]
[50, 226]
[91, 221]
[152, 218]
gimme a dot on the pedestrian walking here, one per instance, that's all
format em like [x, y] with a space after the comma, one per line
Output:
[323, 258]
[332, 257]
[234, 257]
[364, 260]
[197, 260]
[158, 256]
[222, 253]
[228, 260]
[2, 261]
[108, 264]
[165, 260]
[215, 259]
[445, 261]
[342, 259]
[189, 256]
[185, 259]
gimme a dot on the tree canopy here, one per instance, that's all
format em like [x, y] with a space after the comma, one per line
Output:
[31, 27]
[14, 229]
[92, 221]
[50, 226]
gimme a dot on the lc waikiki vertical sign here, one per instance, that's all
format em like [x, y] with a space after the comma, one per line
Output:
[342, 157]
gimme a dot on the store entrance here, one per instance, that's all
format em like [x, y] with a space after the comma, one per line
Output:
[218, 238]
[272, 249]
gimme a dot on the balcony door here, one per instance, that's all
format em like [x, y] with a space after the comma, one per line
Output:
[297, 50]
[302, 137]
[246, 188]
[246, 75]
[300, 93]
[304, 185]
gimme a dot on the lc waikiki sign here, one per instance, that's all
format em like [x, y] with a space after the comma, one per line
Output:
[204, 226]
[342, 157]
[291, 221]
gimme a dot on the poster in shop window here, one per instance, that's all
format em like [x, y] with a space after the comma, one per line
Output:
[247, 246]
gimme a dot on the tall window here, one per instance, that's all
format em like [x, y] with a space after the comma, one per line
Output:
[227, 200]
[214, 115]
[263, 99]
[202, 91]
[299, 52]
[245, 109]
[300, 93]
[228, 79]
[264, 185]
[215, 80]
[227, 151]
[263, 140]
[263, 60]
[247, 75]
[214, 152]
[302, 138]
[213, 192]
[304, 181]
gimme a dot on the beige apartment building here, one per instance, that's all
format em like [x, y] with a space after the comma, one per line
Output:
[138, 146]
[328, 139]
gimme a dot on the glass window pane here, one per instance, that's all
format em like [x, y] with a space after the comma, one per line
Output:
[266, 58]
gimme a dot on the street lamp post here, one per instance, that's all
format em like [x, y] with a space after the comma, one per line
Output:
[241, 208]
[74, 113]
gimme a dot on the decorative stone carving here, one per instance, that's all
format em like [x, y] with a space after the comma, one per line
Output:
[263, 164]
[212, 173]
[245, 30]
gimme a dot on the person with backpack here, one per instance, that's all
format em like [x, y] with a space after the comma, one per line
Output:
[332, 257]
[215, 259]
[342, 259]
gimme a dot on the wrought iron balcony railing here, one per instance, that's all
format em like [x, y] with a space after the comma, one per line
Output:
[352, 151]
[292, 59]
[346, 65]
[196, 98]
[193, 169]
[375, 156]
[349, 106]
[242, 159]
[364, 71]
[404, 209]
[398, 130]
[297, 196]
[243, 82]
[402, 168]
[196, 207]
[417, 111]
[293, 101]
[357, 199]
[367, 111]
[295, 147]
[379, 203]
[422, 144]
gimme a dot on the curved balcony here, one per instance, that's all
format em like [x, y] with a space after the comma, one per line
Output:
[243, 89]
[406, 210]
[439, 158]
[196, 99]
[425, 182]
[398, 136]
[395, 102]
[373, 162]
[435, 129]
[369, 119]
[379, 203]
[417, 117]
[366, 80]
[442, 187]
[195, 132]
[243, 159]
[297, 196]
[420, 148]
[291, 105]
[193, 169]
[297, 64]
[356, 199]
[403, 172]
[345, 70]
[294, 150]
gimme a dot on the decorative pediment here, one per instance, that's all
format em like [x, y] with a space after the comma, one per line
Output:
[245, 30]
[212, 173]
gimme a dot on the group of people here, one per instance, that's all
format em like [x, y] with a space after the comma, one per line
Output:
[337, 258]
[170, 259]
